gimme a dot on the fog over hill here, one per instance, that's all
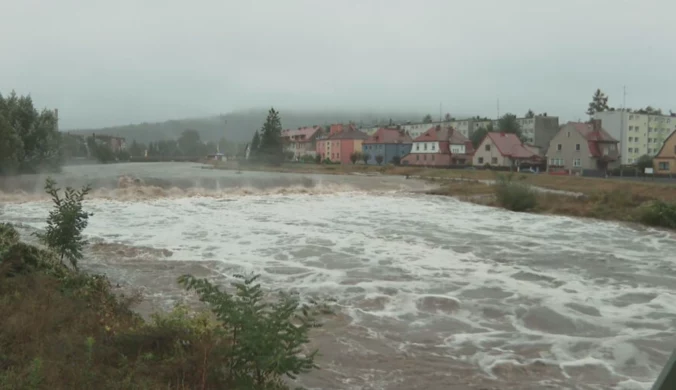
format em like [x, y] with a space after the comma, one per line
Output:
[239, 126]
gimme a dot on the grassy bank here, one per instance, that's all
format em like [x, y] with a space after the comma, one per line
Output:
[65, 329]
[613, 201]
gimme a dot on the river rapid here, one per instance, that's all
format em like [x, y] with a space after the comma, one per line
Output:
[432, 293]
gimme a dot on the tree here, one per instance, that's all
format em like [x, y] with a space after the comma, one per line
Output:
[365, 157]
[189, 143]
[477, 136]
[29, 140]
[379, 159]
[509, 124]
[599, 103]
[318, 159]
[354, 157]
[66, 222]
[396, 160]
[644, 162]
[448, 117]
[136, 149]
[427, 118]
[271, 148]
[530, 114]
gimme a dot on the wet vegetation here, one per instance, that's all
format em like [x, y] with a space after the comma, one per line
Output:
[66, 329]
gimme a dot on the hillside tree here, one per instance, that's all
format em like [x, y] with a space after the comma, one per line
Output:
[599, 103]
[255, 145]
[426, 119]
[479, 134]
[190, 144]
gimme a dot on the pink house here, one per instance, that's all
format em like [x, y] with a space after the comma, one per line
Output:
[302, 141]
[341, 142]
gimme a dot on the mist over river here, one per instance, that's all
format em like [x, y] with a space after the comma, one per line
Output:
[433, 293]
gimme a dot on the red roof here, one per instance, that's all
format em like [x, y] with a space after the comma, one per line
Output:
[388, 136]
[307, 132]
[593, 136]
[446, 134]
[338, 128]
[509, 145]
[349, 133]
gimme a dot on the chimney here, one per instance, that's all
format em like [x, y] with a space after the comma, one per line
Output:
[596, 124]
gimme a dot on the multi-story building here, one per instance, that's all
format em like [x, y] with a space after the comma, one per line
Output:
[538, 130]
[340, 143]
[388, 144]
[440, 146]
[505, 150]
[639, 134]
[302, 141]
[465, 126]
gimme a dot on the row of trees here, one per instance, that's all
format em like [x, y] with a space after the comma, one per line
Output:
[29, 139]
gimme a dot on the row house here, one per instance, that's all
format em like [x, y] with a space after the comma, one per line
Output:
[340, 143]
[387, 143]
[505, 150]
[439, 146]
[302, 141]
[583, 146]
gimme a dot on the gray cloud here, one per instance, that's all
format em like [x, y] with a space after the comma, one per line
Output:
[117, 62]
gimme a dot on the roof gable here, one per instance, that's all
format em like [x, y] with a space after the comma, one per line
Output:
[509, 145]
[667, 142]
[388, 136]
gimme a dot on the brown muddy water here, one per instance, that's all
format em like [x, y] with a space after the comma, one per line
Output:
[432, 293]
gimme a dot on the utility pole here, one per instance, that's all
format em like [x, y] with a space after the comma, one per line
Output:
[498, 109]
[623, 144]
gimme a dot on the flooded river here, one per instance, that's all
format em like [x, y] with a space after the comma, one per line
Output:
[432, 293]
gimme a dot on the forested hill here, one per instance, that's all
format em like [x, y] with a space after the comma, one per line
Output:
[241, 125]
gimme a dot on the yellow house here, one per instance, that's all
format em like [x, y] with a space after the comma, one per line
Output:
[664, 162]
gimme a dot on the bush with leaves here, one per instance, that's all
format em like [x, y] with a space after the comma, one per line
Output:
[379, 159]
[514, 196]
[266, 337]
[66, 222]
[658, 213]
[365, 157]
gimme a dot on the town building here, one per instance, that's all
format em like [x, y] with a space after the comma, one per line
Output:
[639, 134]
[440, 146]
[302, 141]
[580, 147]
[505, 150]
[538, 130]
[388, 143]
[340, 143]
[664, 162]
[116, 144]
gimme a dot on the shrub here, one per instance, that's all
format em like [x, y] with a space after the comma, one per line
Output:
[514, 196]
[658, 213]
[396, 160]
[354, 157]
[379, 159]
[266, 338]
[66, 222]
[365, 157]
[318, 159]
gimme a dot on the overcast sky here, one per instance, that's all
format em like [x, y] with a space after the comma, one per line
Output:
[126, 61]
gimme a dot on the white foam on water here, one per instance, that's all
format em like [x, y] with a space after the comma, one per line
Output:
[482, 285]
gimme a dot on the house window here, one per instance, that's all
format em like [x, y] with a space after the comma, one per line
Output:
[417, 146]
[577, 147]
[559, 147]
[487, 148]
[432, 157]
[576, 162]
[494, 160]
[663, 166]
[568, 135]
[631, 128]
[433, 146]
[417, 157]
[481, 160]
[425, 146]
[631, 139]
[425, 157]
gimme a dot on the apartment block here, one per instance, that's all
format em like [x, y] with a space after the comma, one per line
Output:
[537, 131]
[465, 126]
[639, 134]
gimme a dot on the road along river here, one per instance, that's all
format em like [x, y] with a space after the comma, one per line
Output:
[432, 292]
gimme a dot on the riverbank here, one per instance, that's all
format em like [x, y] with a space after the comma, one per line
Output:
[607, 199]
